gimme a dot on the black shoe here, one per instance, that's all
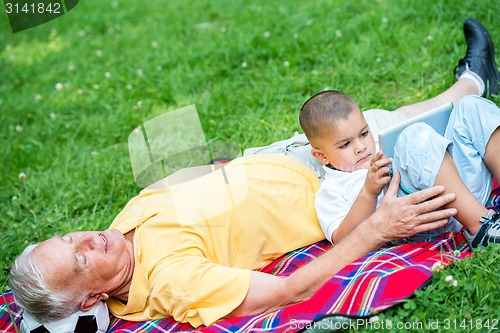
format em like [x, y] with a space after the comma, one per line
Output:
[489, 233]
[480, 56]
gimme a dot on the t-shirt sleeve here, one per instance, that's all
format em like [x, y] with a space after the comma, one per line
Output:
[336, 197]
[193, 289]
[331, 208]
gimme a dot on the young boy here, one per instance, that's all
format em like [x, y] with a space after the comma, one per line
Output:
[356, 173]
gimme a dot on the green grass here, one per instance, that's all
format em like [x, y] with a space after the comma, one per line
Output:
[247, 65]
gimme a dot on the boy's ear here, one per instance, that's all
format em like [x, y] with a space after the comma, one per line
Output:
[318, 154]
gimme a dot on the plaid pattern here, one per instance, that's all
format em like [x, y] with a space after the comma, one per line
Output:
[366, 286]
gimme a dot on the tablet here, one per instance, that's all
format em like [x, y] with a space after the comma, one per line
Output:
[437, 118]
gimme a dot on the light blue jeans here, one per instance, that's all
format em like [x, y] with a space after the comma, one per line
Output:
[419, 152]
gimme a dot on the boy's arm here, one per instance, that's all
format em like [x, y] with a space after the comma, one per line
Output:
[364, 206]
[366, 201]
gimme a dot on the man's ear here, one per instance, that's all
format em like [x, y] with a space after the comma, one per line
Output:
[318, 154]
[92, 300]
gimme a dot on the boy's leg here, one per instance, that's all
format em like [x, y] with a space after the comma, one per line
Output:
[492, 154]
[472, 124]
[419, 156]
[459, 89]
[469, 217]
[477, 73]
[422, 158]
[473, 128]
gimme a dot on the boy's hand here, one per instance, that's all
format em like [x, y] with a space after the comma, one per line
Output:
[378, 174]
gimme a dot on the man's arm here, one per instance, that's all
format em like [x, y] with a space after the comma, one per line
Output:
[396, 218]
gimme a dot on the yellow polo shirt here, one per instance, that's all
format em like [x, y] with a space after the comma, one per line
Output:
[196, 242]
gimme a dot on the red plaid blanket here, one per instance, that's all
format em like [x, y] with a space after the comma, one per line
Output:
[365, 287]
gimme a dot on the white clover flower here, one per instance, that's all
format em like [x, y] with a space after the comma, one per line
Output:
[79, 91]
[309, 22]
[374, 319]
[81, 33]
[22, 176]
[99, 53]
[295, 35]
[71, 67]
[139, 103]
[38, 97]
[19, 128]
[59, 86]
[137, 131]
[385, 20]
[448, 278]
[454, 283]
[266, 34]
[437, 266]
[52, 116]
[244, 64]
[378, 59]
[14, 198]
[93, 153]
[429, 37]
[96, 86]
[129, 86]
[107, 75]
[388, 323]
[154, 44]
[159, 68]
[286, 63]
[456, 253]
[139, 72]
[338, 33]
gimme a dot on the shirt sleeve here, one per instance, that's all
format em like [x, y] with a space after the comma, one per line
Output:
[335, 198]
[193, 289]
[331, 207]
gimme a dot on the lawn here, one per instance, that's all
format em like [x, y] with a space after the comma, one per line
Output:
[73, 89]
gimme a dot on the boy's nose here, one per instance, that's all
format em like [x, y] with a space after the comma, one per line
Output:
[360, 148]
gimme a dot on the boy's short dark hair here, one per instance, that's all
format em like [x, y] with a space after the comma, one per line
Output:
[324, 110]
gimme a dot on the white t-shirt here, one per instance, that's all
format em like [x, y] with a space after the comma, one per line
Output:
[336, 196]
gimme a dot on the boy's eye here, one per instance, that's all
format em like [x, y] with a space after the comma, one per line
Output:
[365, 133]
[345, 145]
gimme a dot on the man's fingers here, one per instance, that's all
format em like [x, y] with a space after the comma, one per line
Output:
[432, 192]
[441, 214]
[431, 225]
[435, 203]
[394, 184]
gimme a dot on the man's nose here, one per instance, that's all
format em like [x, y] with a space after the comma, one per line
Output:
[86, 242]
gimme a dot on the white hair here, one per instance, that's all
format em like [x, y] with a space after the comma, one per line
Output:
[32, 293]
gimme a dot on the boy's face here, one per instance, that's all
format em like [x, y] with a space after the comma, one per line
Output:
[348, 146]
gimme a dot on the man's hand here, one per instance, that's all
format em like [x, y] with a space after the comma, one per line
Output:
[402, 217]
[378, 174]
